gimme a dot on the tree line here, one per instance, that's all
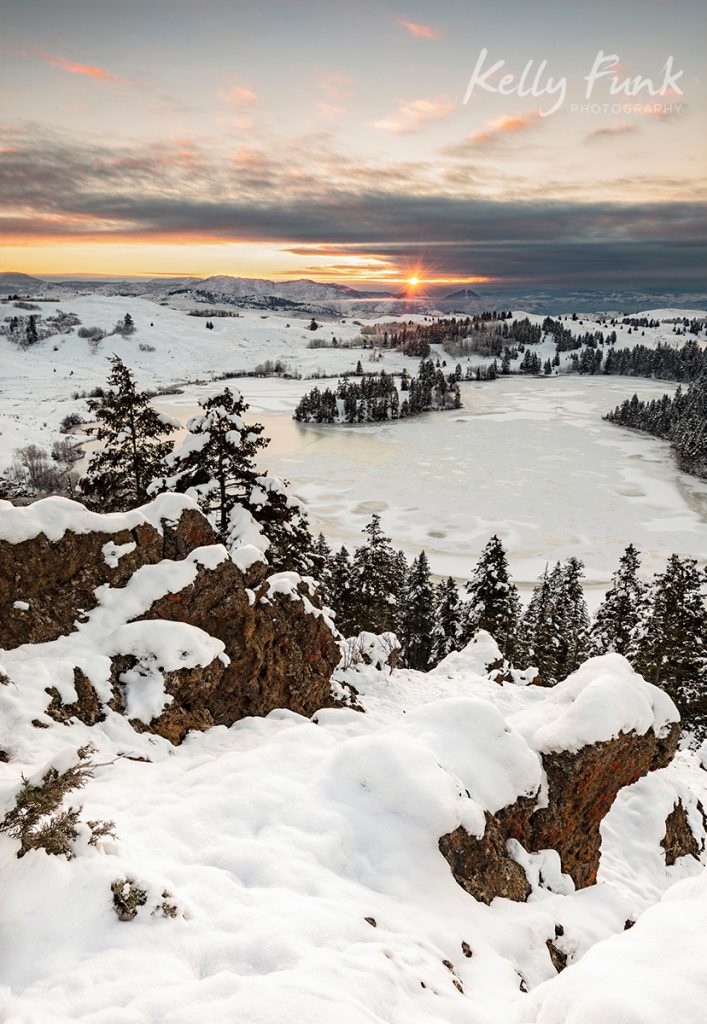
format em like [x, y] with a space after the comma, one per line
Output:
[680, 419]
[375, 397]
[661, 627]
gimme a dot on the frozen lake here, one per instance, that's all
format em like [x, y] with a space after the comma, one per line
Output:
[529, 459]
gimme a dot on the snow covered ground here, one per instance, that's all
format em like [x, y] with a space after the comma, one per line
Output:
[529, 458]
[301, 857]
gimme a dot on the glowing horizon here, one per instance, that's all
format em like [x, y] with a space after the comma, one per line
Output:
[130, 152]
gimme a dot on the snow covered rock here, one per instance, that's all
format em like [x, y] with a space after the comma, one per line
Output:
[600, 730]
[143, 614]
[54, 554]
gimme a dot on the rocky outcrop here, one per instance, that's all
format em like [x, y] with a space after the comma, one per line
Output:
[598, 731]
[679, 839]
[77, 579]
[581, 787]
[483, 866]
[48, 580]
[281, 653]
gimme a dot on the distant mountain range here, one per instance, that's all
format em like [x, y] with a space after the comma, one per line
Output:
[306, 297]
[223, 286]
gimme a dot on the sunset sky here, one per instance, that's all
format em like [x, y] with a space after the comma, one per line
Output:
[330, 140]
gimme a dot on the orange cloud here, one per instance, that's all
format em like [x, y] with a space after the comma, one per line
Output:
[505, 125]
[418, 30]
[413, 115]
[55, 60]
[238, 97]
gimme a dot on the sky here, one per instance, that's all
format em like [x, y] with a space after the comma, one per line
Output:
[333, 141]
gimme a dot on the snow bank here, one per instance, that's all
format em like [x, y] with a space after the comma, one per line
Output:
[651, 974]
[601, 699]
[53, 517]
[302, 859]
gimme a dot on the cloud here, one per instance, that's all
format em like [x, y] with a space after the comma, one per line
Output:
[55, 60]
[335, 85]
[418, 30]
[414, 115]
[59, 188]
[611, 131]
[238, 97]
[505, 125]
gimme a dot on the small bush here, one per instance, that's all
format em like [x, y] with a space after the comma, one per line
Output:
[166, 908]
[74, 419]
[271, 368]
[36, 819]
[128, 897]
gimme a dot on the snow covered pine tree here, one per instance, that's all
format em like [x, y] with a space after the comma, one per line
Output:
[134, 449]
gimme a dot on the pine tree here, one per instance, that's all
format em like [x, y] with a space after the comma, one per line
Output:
[572, 618]
[134, 448]
[539, 639]
[620, 615]
[321, 554]
[672, 652]
[446, 632]
[399, 577]
[554, 631]
[417, 616]
[338, 591]
[284, 522]
[31, 335]
[216, 462]
[376, 581]
[492, 602]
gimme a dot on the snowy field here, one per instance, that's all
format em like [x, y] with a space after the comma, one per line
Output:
[301, 859]
[530, 459]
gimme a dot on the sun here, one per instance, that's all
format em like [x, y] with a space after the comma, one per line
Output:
[413, 281]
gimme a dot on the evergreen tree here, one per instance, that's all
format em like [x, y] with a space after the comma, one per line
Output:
[321, 554]
[339, 592]
[376, 582]
[134, 446]
[620, 615]
[216, 462]
[417, 616]
[400, 574]
[446, 632]
[572, 619]
[31, 335]
[672, 652]
[284, 522]
[539, 639]
[492, 602]
[554, 632]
